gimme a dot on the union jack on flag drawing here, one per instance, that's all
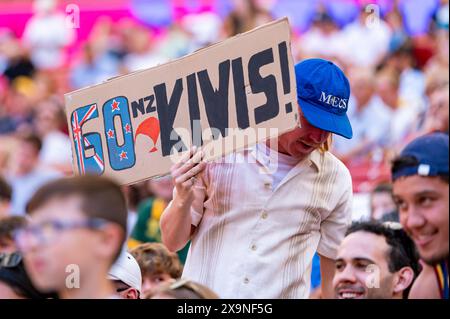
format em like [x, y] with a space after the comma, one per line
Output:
[93, 164]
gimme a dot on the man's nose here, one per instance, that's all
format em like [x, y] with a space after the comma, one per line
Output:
[414, 220]
[347, 275]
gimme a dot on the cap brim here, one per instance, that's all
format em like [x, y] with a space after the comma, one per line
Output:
[337, 124]
[112, 277]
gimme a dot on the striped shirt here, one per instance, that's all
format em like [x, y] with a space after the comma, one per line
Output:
[441, 272]
[255, 241]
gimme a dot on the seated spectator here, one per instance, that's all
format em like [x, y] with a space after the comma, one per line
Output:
[437, 115]
[369, 116]
[16, 60]
[382, 205]
[5, 198]
[75, 233]
[245, 16]
[126, 277]
[184, 289]
[375, 261]
[16, 115]
[322, 39]
[27, 176]
[14, 281]
[412, 79]
[357, 49]
[133, 198]
[403, 114]
[94, 67]
[142, 50]
[8, 225]
[56, 147]
[46, 35]
[158, 266]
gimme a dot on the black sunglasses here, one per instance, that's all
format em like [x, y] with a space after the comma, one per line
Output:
[10, 260]
[120, 285]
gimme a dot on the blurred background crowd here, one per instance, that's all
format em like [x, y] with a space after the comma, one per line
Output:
[394, 52]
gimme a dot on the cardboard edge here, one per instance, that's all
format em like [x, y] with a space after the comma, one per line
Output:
[68, 96]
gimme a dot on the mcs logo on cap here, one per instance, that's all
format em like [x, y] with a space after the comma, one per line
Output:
[334, 101]
[323, 92]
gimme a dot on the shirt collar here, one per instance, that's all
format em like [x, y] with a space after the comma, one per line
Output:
[314, 157]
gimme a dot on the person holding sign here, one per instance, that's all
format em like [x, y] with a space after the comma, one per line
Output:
[256, 223]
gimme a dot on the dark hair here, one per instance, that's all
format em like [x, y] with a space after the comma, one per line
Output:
[155, 258]
[402, 252]
[101, 198]
[17, 279]
[9, 224]
[401, 162]
[33, 140]
[133, 196]
[5, 190]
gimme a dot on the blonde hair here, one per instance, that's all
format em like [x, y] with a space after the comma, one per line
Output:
[155, 258]
[325, 147]
[185, 289]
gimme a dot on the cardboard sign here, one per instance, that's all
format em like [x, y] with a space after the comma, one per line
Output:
[223, 98]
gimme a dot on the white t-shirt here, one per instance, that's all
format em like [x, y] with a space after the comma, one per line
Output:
[371, 125]
[363, 45]
[279, 164]
[56, 149]
[47, 36]
[23, 187]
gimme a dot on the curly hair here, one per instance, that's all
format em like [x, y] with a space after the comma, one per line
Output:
[155, 258]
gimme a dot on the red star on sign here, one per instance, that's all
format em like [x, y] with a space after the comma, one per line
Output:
[76, 131]
[123, 155]
[115, 106]
[127, 128]
[110, 133]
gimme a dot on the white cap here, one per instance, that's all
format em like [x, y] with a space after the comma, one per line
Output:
[126, 269]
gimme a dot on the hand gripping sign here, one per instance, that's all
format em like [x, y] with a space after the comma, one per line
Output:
[222, 98]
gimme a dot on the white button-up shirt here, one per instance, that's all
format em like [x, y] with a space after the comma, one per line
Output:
[252, 241]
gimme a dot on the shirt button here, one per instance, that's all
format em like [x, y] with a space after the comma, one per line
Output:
[268, 184]
[246, 280]
[253, 247]
[264, 215]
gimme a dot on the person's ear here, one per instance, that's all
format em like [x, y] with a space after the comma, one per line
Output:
[110, 242]
[403, 280]
[131, 293]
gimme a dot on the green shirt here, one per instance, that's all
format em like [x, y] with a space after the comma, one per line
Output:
[147, 230]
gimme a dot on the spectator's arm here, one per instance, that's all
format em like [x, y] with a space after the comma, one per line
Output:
[186, 208]
[327, 273]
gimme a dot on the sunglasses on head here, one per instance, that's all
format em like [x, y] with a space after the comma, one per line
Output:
[120, 285]
[10, 260]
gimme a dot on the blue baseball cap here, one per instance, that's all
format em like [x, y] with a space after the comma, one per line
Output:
[323, 92]
[431, 153]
